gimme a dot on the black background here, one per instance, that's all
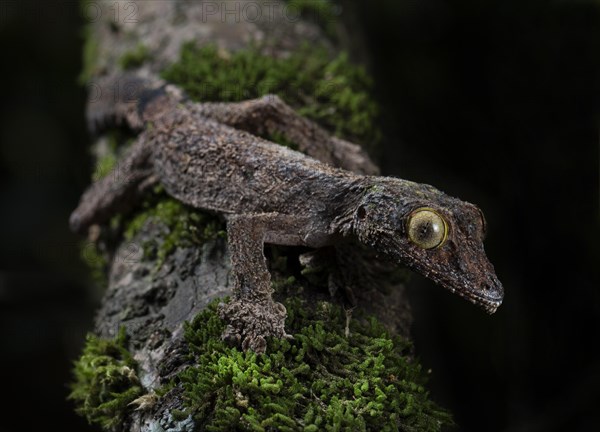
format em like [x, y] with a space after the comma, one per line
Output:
[495, 102]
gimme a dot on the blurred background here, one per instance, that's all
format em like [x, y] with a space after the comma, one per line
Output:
[495, 102]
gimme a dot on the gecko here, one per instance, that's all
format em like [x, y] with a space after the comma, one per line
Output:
[215, 157]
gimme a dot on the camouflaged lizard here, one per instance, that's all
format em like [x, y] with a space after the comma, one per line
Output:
[210, 156]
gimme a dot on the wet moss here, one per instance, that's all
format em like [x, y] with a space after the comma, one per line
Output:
[330, 91]
[320, 380]
[105, 381]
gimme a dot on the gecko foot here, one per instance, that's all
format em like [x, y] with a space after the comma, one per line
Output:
[250, 323]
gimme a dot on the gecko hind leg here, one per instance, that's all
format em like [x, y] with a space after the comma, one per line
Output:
[252, 315]
[270, 115]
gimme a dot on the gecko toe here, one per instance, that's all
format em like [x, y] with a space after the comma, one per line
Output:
[280, 309]
[75, 223]
[251, 324]
[258, 344]
[231, 336]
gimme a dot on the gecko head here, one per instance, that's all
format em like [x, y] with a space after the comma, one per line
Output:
[436, 235]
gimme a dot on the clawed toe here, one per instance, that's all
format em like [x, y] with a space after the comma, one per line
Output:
[280, 308]
[231, 336]
[258, 344]
[250, 324]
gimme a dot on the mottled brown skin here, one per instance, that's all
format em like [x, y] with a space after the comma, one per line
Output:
[205, 156]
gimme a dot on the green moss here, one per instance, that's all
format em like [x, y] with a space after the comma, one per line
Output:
[333, 92]
[117, 141]
[185, 226]
[105, 381]
[321, 380]
[135, 58]
[322, 12]
[104, 165]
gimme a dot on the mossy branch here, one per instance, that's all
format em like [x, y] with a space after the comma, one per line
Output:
[337, 374]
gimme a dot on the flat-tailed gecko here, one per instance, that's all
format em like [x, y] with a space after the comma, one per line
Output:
[210, 156]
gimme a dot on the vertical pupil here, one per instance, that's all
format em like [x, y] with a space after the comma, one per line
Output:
[425, 230]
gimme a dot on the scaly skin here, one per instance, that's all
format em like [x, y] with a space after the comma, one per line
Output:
[208, 157]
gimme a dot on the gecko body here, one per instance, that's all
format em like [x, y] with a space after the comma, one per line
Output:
[210, 156]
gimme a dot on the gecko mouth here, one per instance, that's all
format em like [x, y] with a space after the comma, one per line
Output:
[481, 287]
[490, 303]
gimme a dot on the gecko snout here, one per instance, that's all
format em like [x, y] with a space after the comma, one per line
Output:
[491, 294]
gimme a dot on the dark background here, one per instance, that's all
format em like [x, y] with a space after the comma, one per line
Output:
[495, 102]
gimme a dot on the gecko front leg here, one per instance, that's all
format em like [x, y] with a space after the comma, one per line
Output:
[117, 191]
[252, 315]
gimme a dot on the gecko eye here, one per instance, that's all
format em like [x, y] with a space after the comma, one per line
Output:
[426, 228]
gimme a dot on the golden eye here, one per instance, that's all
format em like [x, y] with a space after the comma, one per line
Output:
[426, 228]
